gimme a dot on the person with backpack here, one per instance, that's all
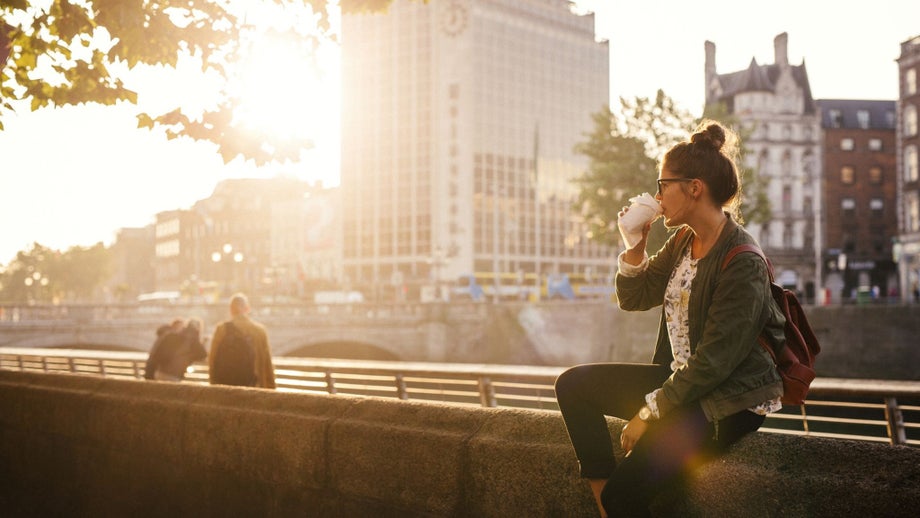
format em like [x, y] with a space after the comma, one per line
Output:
[710, 381]
[240, 354]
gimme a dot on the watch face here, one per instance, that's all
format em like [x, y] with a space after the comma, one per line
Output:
[645, 413]
[454, 18]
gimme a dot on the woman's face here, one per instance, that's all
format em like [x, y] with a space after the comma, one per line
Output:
[673, 197]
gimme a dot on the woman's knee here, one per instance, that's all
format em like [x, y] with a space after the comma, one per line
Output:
[570, 379]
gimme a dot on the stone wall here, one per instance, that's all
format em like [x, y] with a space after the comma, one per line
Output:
[85, 446]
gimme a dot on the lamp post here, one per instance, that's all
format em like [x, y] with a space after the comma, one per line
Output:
[437, 260]
[227, 256]
[35, 282]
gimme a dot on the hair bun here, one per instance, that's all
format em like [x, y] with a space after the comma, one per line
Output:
[712, 136]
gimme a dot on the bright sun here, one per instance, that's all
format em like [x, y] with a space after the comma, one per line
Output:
[288, 90]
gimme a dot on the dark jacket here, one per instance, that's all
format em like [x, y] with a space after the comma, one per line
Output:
[728, 371]
[265, 369]
[173, 352]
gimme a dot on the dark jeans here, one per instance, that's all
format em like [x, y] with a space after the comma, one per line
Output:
[588, 393]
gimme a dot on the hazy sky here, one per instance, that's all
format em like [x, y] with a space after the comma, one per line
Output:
[74, 176]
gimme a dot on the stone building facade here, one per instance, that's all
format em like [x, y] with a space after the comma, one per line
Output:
[907, 249]
[774, 105]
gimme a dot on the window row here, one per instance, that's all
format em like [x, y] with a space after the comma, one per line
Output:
[848, 206]
[848, 175]
[848, 144]
[863, 119]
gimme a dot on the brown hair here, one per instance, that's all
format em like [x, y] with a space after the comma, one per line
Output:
[710, 156]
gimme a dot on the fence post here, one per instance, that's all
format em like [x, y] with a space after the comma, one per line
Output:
[401, 391]
[330, 383]
[487, 392]
[895, 420]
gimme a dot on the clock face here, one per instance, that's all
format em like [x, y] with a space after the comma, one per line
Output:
[454, 18]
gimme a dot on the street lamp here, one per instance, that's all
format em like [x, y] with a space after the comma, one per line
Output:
[38, 280]
[227, 255]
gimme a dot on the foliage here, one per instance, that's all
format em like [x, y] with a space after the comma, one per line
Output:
[69, 52]
[44, 275]
[660, 123]
[618, 169]
[623, 150]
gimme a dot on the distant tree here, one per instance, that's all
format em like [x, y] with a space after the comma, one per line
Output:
[69, 52]
[618, 168]
[659, 122]
[31, 277]
[623, 151]
[84, 271]
[44, 275]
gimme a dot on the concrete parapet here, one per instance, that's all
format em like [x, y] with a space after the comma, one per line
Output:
[86, 446]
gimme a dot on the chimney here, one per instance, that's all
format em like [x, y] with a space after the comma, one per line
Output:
[710, 58]
[780, 54]
[710, 67]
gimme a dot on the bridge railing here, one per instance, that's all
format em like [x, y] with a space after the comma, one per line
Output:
[869, 410]
[13, 314]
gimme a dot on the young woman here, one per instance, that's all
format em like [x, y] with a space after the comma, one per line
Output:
[710, 382]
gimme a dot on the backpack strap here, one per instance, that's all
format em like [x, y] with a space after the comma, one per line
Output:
[748, 248]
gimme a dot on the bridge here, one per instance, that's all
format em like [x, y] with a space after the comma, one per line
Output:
[869, 342]
[551, 333]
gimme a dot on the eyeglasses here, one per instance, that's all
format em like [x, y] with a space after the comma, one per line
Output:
[663, 181]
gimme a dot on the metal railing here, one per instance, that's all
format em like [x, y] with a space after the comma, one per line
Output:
[868, 410]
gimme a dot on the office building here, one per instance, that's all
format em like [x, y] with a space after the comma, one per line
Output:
[459, 119]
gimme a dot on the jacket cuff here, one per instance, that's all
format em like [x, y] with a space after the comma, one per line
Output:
[628, 270]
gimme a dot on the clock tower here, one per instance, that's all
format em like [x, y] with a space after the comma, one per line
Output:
[454, 17]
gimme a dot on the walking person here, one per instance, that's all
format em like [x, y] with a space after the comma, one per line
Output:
[710, 382]
[240, 354]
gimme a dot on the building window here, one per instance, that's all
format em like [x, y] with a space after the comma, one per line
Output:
[862, 118]
[875, 144]
[836, 118]
[848, 207]
[910, 82]
[846, 144]
[876, 206]
[912, 208]
[847, 175]
[875, 175]
[910, 121]
[910, 164]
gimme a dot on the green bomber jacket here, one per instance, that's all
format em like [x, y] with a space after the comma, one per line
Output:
[728, 371]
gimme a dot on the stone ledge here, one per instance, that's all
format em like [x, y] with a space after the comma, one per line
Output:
[79, 445]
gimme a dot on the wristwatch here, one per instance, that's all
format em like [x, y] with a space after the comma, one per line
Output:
[645, 413]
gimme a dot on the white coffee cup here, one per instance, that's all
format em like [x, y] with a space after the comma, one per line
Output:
[642, 210]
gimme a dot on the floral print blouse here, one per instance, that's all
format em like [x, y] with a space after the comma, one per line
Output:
[676, 310]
